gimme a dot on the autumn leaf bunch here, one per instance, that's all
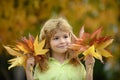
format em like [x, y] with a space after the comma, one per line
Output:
[92, 44]
[24, 49]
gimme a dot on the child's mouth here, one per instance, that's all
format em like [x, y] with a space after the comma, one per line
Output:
[64, 46]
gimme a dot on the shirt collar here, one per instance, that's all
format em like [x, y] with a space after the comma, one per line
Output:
[51, 59]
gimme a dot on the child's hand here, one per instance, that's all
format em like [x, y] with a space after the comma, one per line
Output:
[30, 63]
[29, 66]
[89, 63]
[89, 60]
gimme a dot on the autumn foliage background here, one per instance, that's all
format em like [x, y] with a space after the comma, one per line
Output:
[21, 17]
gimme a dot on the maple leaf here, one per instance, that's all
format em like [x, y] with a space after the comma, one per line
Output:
[25, 45]
[91, 51]
[100, 48]
[38, 47]
[18, 61]
[12, 52]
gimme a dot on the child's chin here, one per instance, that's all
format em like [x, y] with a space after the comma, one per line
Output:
[63, 51]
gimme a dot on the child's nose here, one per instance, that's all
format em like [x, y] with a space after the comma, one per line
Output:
[62, 40]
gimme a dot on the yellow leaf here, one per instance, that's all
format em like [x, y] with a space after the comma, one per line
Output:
[12, 52]
[41, 52]
[38, 47]
[103, 52]
[91, 51]
[104, 44]
[100, 48]
[18, 61]
[22, 49]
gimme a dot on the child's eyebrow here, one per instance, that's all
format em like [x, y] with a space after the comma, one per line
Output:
[55, 36]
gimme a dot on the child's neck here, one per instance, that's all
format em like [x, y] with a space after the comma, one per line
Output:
[59, 57]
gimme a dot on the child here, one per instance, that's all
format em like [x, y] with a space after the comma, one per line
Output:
[58, 63]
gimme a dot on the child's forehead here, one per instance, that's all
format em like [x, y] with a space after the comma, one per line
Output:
[60, 33]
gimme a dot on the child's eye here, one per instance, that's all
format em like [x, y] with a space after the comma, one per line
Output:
[56, 38]
[65, 36]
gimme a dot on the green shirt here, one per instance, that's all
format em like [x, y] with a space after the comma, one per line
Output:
[58, 71]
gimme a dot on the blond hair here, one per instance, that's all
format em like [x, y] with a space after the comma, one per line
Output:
[48, 30]
[53, 24]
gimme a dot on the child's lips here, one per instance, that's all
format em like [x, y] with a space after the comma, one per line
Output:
[63, 46]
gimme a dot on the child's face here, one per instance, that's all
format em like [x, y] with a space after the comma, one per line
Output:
[59, 42]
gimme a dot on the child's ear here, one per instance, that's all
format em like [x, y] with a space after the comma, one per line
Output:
[73, 37]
